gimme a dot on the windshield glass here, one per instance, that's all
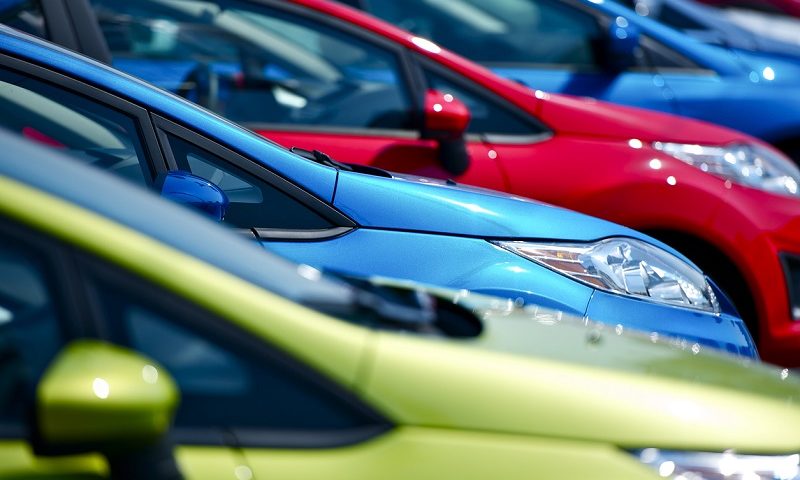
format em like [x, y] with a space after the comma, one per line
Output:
[498, 31]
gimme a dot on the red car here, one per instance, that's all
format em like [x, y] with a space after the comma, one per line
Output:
[321, 75]
[790, 7]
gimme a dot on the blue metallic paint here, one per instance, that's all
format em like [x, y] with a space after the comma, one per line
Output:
[432, 233]
[732, 89]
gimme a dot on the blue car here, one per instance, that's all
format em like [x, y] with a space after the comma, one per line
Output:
[356, 220]
[603, 50]
[709, 26]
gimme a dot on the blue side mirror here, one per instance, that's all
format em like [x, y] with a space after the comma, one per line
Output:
[622, 44]
[194, 191]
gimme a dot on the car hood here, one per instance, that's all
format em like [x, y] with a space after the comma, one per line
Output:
[542, 373]
[594, 118]
[770, 69]
[420, 204]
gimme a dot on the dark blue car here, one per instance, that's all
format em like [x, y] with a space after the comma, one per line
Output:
[316, 211]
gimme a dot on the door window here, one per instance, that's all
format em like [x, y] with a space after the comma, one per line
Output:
[500, 31]
[228, 378]
[488, 117]
[255, 64]
[25, 15]
[253, 202]
[91, 132]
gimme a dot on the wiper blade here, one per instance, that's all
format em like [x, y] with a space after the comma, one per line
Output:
[324, 159]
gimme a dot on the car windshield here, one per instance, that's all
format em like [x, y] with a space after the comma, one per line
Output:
[497, 31]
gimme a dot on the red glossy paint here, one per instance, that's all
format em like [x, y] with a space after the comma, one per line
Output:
[599, 160]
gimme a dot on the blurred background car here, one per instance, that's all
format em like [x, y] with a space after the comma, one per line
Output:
[600, 50]
[140, 340]
[709, 26]
[366, 92]
[361, 221]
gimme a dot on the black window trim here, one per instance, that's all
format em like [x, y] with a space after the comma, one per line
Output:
[153, 159]
[93, 269]
[341, 224]
[492, 98]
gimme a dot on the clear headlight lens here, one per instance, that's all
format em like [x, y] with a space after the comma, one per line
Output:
[720, 466]
[746, 164]
[625, 266]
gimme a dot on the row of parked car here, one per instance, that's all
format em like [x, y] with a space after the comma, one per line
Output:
[415, 327]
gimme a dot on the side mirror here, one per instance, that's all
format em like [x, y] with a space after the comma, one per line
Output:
[446, 120]
[99, 397]
[196, 192]
[622, 43]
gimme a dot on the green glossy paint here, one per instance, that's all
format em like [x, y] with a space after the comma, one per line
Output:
[533, 397]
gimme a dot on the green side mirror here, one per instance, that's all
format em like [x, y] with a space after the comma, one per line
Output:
[99, 397]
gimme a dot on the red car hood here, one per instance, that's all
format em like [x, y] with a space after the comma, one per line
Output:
[593, 118]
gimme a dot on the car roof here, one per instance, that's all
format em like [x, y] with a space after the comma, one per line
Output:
[127, 204]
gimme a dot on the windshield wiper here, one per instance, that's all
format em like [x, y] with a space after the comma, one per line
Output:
[324, 159]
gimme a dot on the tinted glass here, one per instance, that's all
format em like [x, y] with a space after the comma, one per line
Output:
[253, 202]
[499, 31]
[653, 54]
[93, 133]
[487, 116]
[29, 330]
[227, 379]
[253, 64]
[25, 15]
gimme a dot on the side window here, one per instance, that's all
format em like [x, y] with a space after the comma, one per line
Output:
[655, 55]
[91, 132]
[254, 64]
[228, 379]
[488, 117]
[25, 15]
[30, 334]
[500, 31]
[253, 202]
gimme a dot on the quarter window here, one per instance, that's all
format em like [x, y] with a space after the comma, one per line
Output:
[253, 202]
[488, 117]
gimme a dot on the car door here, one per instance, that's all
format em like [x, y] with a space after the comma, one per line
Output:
[551, 45]
[242, 399]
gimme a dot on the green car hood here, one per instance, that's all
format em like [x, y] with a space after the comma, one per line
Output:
[539, 372]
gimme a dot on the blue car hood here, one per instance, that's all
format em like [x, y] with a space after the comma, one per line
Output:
[410, 203]
[771, 69]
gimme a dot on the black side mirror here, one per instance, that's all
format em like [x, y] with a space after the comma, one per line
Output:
[621, 44]
[194, 191]
[446, 120]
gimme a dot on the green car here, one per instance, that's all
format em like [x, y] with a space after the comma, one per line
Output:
[140, 340]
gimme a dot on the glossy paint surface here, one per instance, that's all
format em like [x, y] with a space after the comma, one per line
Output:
[599, 160]
[541, 361]
[407, 206]
[792, 7]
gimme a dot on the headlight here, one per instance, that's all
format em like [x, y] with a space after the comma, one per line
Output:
[720, 466]
[625, 266]
[747, 164]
